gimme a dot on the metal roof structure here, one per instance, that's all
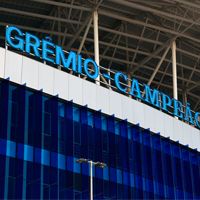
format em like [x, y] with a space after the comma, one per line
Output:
[135, 36]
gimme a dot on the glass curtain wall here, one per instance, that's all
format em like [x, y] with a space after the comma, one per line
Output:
[42, 136]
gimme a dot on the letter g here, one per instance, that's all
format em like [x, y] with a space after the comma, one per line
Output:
[19, 44]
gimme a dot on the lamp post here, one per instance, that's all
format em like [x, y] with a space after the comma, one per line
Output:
[91, 163]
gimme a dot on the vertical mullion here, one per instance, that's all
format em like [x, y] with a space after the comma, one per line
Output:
[7, 89]
[25, 142]
[42, 147]
[20, 131]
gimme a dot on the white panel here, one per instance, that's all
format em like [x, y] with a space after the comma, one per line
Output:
[75, 89]
[158, 122]
[149, 120]
[195, 135]
[30, 72]
[168, 126]
[127, 111]
[115, 106]
[13, 66]
[61, 81]
[186, 135]
[102, 99]
[191, 136]
[178, 133]
[89, 94]
[2, 62]
[138, 113]
[46, 78]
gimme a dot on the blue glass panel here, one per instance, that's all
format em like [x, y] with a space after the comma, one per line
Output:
[117, 128]
[61, 162]
[76, 114]
[99, 172]
[18, 114]
[69, 110]
[37, 155]
[119, 176]
[45, 157]
[106, 173]
[97, 120]
[111, 124]
[69, 128]
[124, 129]
[104, 123]
[3, 147]
[132, 181]
[85, 169]
[35, 119]
[84, 115]
[84, 141]
[129, 132]
[11, 148]
[138, 182]
[76, 166]
[28, 153]
[54, 159]
[113, 175]
[4, 94]
[98, 137]
[126, 180]
[77, 133]
[90, 119]
[195, 174]
[70, 163]
[176, 163]
[61, 110]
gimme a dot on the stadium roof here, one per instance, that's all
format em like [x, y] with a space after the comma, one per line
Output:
[134, 35]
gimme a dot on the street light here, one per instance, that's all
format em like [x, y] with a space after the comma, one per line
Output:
[91, 163]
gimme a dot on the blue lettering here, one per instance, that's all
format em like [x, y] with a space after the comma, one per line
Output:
[32, 42]
[79, 63]
[197, 119]
[117, 81]
[20, 41]
[166, 102]
[61, 60]
[47, 50]
[152, 97]
[178, 109]
[135, 88]
[188, 114]
[86, 68]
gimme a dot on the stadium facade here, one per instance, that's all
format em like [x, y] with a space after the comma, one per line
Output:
[58, 107]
